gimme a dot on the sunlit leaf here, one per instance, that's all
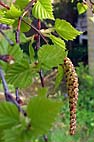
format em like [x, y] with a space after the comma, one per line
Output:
[43, 10]
[13, 12]
[2, 13]
[20, 74]
[57, 41]
[66, 30]
[7, 21]
[50, 56]
[81, 8]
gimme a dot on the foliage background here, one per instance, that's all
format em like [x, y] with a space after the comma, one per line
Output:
[85, 115]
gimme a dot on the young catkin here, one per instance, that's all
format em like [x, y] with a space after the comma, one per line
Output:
[72, 87]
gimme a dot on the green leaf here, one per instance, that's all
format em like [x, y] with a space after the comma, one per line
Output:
[31, 52]
[12, 135]
[13, 12]
[23, 38]
[7, 21]
[81, 8]
[2, 13]
[3, 46]
[59, 76]
[57, 41]
[42, 91]
[24, 26]
[21, 3]
[43, 10]
[9, 115]
[1, 135]
[11, 36]
[20, 74]
[17, 134]
[66, 30]
[9, 136]
[42, 112]
[50, 56]
[14, 51]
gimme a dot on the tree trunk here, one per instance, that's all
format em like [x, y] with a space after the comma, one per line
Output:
[90, 43]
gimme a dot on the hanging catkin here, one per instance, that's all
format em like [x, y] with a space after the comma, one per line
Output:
[72, 87]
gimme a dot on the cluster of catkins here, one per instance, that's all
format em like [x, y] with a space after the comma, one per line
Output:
[72, 87]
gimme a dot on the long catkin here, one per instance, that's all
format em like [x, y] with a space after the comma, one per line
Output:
[72, 87]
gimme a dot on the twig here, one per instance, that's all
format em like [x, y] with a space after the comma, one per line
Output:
[5, 36]
[4, 27]
[7, 58]
[17, 94]
[32, 26]
[20, 101]
[90, 5]
[91, 2]
[29, 5]
[40, 72]
[38, 41]
[37, 47]
[18, 30]
[8, 95]
[20, 20]
[5, 86]
[41, 78]
[4, 5]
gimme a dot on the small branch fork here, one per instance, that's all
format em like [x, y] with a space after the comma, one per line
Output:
[26, 9]
[8, 95]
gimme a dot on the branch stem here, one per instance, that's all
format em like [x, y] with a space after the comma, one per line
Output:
[29, 5]
[4, 5]
[41, 78]
[32, 26]
[8, 95]
[5, 86]
[5, 36]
